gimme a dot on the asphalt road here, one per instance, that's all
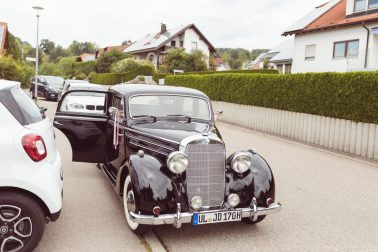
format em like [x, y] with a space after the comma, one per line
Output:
[330, 203]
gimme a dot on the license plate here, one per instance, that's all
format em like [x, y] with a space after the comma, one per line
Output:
[216, 217]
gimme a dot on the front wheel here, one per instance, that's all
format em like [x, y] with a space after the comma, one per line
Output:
[130, 206]
[22, 222]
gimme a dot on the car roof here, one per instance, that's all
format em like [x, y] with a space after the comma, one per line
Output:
[7, 84]
[86, 86]
[140, 89]
[77, 81]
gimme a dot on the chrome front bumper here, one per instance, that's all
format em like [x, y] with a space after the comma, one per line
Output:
[179, 218]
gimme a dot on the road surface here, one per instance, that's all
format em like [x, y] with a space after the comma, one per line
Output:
[330, 203]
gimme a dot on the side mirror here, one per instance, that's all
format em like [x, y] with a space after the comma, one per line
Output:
[218, 114]
[111, 110]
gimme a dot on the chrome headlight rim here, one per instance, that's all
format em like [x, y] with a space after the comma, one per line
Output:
[183, 162]
[236, 164]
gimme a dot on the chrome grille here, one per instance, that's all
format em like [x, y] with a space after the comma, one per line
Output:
[205, 173]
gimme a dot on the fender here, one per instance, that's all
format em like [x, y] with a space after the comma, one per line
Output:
[152, 184]
[258, 182]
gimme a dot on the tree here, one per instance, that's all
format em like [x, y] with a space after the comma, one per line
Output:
[48, 68]
[47, 46]
[128, 64]
[8, 68]
[127, 42]
[179, 59]
[58, 53]
[105, 61]
[14, 47]
[66, 66]
[77, 48]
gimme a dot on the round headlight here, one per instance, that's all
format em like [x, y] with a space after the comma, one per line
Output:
[241, 162]
[196, 202]
[177, 162]
[233, 200]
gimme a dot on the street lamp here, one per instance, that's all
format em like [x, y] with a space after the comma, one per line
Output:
[38, 9]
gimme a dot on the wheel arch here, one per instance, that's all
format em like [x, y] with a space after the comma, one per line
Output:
[45, 209]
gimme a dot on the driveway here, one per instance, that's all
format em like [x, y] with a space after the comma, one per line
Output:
[329, 204]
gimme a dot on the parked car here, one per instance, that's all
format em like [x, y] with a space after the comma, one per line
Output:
[31, 177]
[83, 102]
[66, 85]
[161, 150]
[47, 87]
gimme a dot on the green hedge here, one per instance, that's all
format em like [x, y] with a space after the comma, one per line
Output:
[249, 71]
[115, 78]
[85, 67]
[352, 96]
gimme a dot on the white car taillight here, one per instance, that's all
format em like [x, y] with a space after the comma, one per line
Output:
[34, 146]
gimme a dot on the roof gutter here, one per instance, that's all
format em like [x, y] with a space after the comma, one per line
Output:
[367, 44]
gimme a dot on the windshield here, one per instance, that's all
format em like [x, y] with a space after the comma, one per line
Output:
[169, 105]
[53, 81]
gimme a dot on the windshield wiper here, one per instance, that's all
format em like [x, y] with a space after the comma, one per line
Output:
[145, 116]
[185, 116]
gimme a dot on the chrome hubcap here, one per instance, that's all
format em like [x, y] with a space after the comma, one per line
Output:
[15, 229]
[131, 201]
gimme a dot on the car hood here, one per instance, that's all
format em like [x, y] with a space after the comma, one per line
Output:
[174, 131]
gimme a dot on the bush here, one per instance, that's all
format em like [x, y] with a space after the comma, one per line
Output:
[84, 67]
[8, 68]
[116, 78]
[179, 59]
[105, 61]
[352, 96]
[127, 65]
[249, 71]
[15, 71]
[25, 72]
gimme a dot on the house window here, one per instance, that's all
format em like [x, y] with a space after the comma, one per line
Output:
[310, 52]
[346, 49]
[181, 44]
[173, 43]
[194, 46]
[373, 4]
[360, 5]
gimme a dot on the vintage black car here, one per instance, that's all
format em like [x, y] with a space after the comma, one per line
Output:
[161, 150]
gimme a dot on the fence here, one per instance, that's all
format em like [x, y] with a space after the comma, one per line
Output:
[360, 139]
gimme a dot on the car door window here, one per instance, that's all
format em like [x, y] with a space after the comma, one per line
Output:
[84, 102]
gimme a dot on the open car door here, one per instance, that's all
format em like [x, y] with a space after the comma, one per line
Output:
[83, 117]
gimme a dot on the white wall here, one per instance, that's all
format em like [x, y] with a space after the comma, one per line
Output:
[350, 7]
[359, 139]
[324, 41]
[192, 36]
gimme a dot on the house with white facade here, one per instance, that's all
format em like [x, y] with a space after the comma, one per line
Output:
[338, 36]
[154, 46]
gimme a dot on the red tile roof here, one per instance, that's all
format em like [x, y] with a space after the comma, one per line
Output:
[336, 17]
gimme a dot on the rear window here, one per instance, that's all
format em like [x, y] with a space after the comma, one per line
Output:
[21, 106]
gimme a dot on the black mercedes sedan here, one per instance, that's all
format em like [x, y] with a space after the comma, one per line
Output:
[160, 149]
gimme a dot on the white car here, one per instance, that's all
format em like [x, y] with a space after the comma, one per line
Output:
[67, 84]
[31, 179]
[84, 102]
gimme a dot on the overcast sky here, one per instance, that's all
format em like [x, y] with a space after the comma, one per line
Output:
[226, 23]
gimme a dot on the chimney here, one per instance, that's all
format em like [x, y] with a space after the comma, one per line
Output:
[163, 28]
